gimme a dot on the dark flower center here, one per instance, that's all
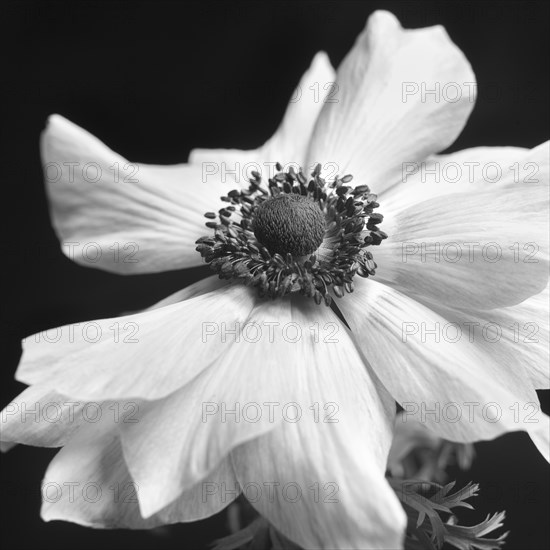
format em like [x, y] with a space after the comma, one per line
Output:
[294, 235]
[290, 223]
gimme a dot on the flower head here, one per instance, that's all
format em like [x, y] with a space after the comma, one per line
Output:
[296, 238]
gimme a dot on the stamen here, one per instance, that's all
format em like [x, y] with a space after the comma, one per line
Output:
[295, 236]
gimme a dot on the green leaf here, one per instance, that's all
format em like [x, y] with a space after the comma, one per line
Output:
[422, 499]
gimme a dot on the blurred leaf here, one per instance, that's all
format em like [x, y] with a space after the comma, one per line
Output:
[423, 500]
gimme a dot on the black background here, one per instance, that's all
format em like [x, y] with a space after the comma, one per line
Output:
[155, 79]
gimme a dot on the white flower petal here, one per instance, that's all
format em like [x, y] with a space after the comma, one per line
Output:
[470, 170]
[517, 336]
[123, 217]
[194, 426]
[208, 284]
[146, 355]
[258, 366]
[172, 448]
[383, 115]
[456, 388]
[466, 250]
[475, 169]
[40, 417]
[334, 461]
[290, 141]
[88, 483]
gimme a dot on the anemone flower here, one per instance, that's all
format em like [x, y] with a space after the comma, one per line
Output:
[247, 381]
